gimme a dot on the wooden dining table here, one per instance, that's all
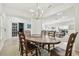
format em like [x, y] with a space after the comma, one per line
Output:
[44, 40]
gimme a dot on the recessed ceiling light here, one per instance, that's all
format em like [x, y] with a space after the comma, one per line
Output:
[42, 11]
[38, 7]
[31, 10]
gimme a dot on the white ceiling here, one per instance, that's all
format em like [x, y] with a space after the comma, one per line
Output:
[52, 12]
[23, 9]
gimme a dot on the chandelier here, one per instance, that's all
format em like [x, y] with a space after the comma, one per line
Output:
[37, 13]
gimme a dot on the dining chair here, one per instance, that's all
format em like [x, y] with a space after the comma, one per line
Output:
[51, 33]
[28, 33]
[25, 46]
[57, 51]
[43, 33]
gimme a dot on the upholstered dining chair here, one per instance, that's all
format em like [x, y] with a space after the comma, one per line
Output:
[57, 51]
[25, 46]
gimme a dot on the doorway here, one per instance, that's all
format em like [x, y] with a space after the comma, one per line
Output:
[21, 27]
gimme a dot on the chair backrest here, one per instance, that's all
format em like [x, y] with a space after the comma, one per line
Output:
[43, 32]
[23, 41]
[70, 44]
[51, 33]
[28, 33]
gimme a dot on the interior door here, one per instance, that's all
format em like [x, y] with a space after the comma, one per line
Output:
[21, 27]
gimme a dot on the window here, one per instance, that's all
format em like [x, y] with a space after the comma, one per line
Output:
[14, 29]
[29, 26]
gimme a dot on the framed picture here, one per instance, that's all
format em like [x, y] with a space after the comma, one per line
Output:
[29, 26]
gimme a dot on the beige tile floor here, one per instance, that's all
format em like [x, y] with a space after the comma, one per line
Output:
[10, 48]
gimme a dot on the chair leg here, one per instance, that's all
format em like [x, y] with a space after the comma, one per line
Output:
[21, 53]
[26, 53]
[39, 52]
[36, 52]
[53, 45]
[48, 47]
[50, 53]
[31, 52]
[19, 47]
[43, 46]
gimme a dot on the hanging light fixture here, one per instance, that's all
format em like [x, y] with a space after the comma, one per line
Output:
[38, 13]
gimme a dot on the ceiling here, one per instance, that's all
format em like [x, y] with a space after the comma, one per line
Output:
[23, 9]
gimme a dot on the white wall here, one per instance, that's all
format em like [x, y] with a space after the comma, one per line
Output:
[36, 26]
[77, 26]
[0, 20]
[3, 29]
[0, 27]
[15, 20]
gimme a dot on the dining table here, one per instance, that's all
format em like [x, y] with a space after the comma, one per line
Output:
[44, 40]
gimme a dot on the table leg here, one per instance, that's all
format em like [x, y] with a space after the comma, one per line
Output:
[48, 47]
[39, 48]
[53, 45]
[43, 46]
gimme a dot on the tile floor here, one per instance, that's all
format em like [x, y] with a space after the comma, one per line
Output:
[11, 48]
